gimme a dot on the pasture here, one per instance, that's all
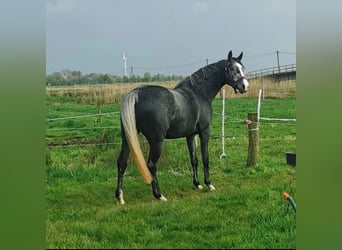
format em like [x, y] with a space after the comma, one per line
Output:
[246, 211]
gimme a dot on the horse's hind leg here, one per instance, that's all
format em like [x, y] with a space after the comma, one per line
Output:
[154, 155]
[122, 165]
[193, 160]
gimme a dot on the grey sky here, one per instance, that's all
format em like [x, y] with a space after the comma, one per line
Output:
[168, 37]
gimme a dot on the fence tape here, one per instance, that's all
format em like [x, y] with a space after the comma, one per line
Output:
[82, 116]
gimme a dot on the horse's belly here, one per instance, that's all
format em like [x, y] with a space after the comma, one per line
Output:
[180, 130]
[178, 134]
[173, 135]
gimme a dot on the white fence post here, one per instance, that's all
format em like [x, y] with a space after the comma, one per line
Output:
[259, 104]
[222, 129]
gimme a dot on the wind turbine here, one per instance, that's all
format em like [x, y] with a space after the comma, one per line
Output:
[125, 63]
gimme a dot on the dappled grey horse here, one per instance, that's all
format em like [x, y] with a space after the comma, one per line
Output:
[184, 111]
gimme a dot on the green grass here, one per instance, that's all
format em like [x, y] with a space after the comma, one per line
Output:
[246, 211]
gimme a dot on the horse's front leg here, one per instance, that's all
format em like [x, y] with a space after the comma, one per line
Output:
[193, 160]
[204, 138]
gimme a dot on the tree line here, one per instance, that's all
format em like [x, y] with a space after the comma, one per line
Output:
[70, 77]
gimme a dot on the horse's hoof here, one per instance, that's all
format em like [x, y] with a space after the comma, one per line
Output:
[199, 187]
[162, 198]
[120, 198]
[211, 187]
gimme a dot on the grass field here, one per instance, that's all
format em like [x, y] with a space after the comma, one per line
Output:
[246, 211]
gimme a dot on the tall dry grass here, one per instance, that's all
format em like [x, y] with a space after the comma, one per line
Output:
[99, 94]
[271, 88]
[113, 93]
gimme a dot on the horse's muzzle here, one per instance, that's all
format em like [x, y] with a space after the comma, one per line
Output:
[243, 84]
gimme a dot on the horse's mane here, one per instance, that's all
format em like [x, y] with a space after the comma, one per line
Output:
[202, 74]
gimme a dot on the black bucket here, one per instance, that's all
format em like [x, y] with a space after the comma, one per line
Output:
[291, 158]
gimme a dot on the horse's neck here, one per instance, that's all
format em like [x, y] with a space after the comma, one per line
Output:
[211, 87]
[207, 89]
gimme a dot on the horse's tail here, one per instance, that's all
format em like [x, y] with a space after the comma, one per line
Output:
[129, 125]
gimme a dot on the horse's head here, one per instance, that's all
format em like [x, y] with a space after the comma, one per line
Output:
[234, 74]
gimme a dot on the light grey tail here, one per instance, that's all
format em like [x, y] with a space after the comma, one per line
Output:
[129, 125]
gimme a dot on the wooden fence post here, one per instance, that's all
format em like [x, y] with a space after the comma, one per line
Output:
[253, 139]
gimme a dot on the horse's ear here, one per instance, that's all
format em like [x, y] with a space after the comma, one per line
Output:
[240, 56]
[230, 55]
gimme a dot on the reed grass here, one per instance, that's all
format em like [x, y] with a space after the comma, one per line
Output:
[113, 93]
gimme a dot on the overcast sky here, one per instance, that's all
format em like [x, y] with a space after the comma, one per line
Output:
[167, 37]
